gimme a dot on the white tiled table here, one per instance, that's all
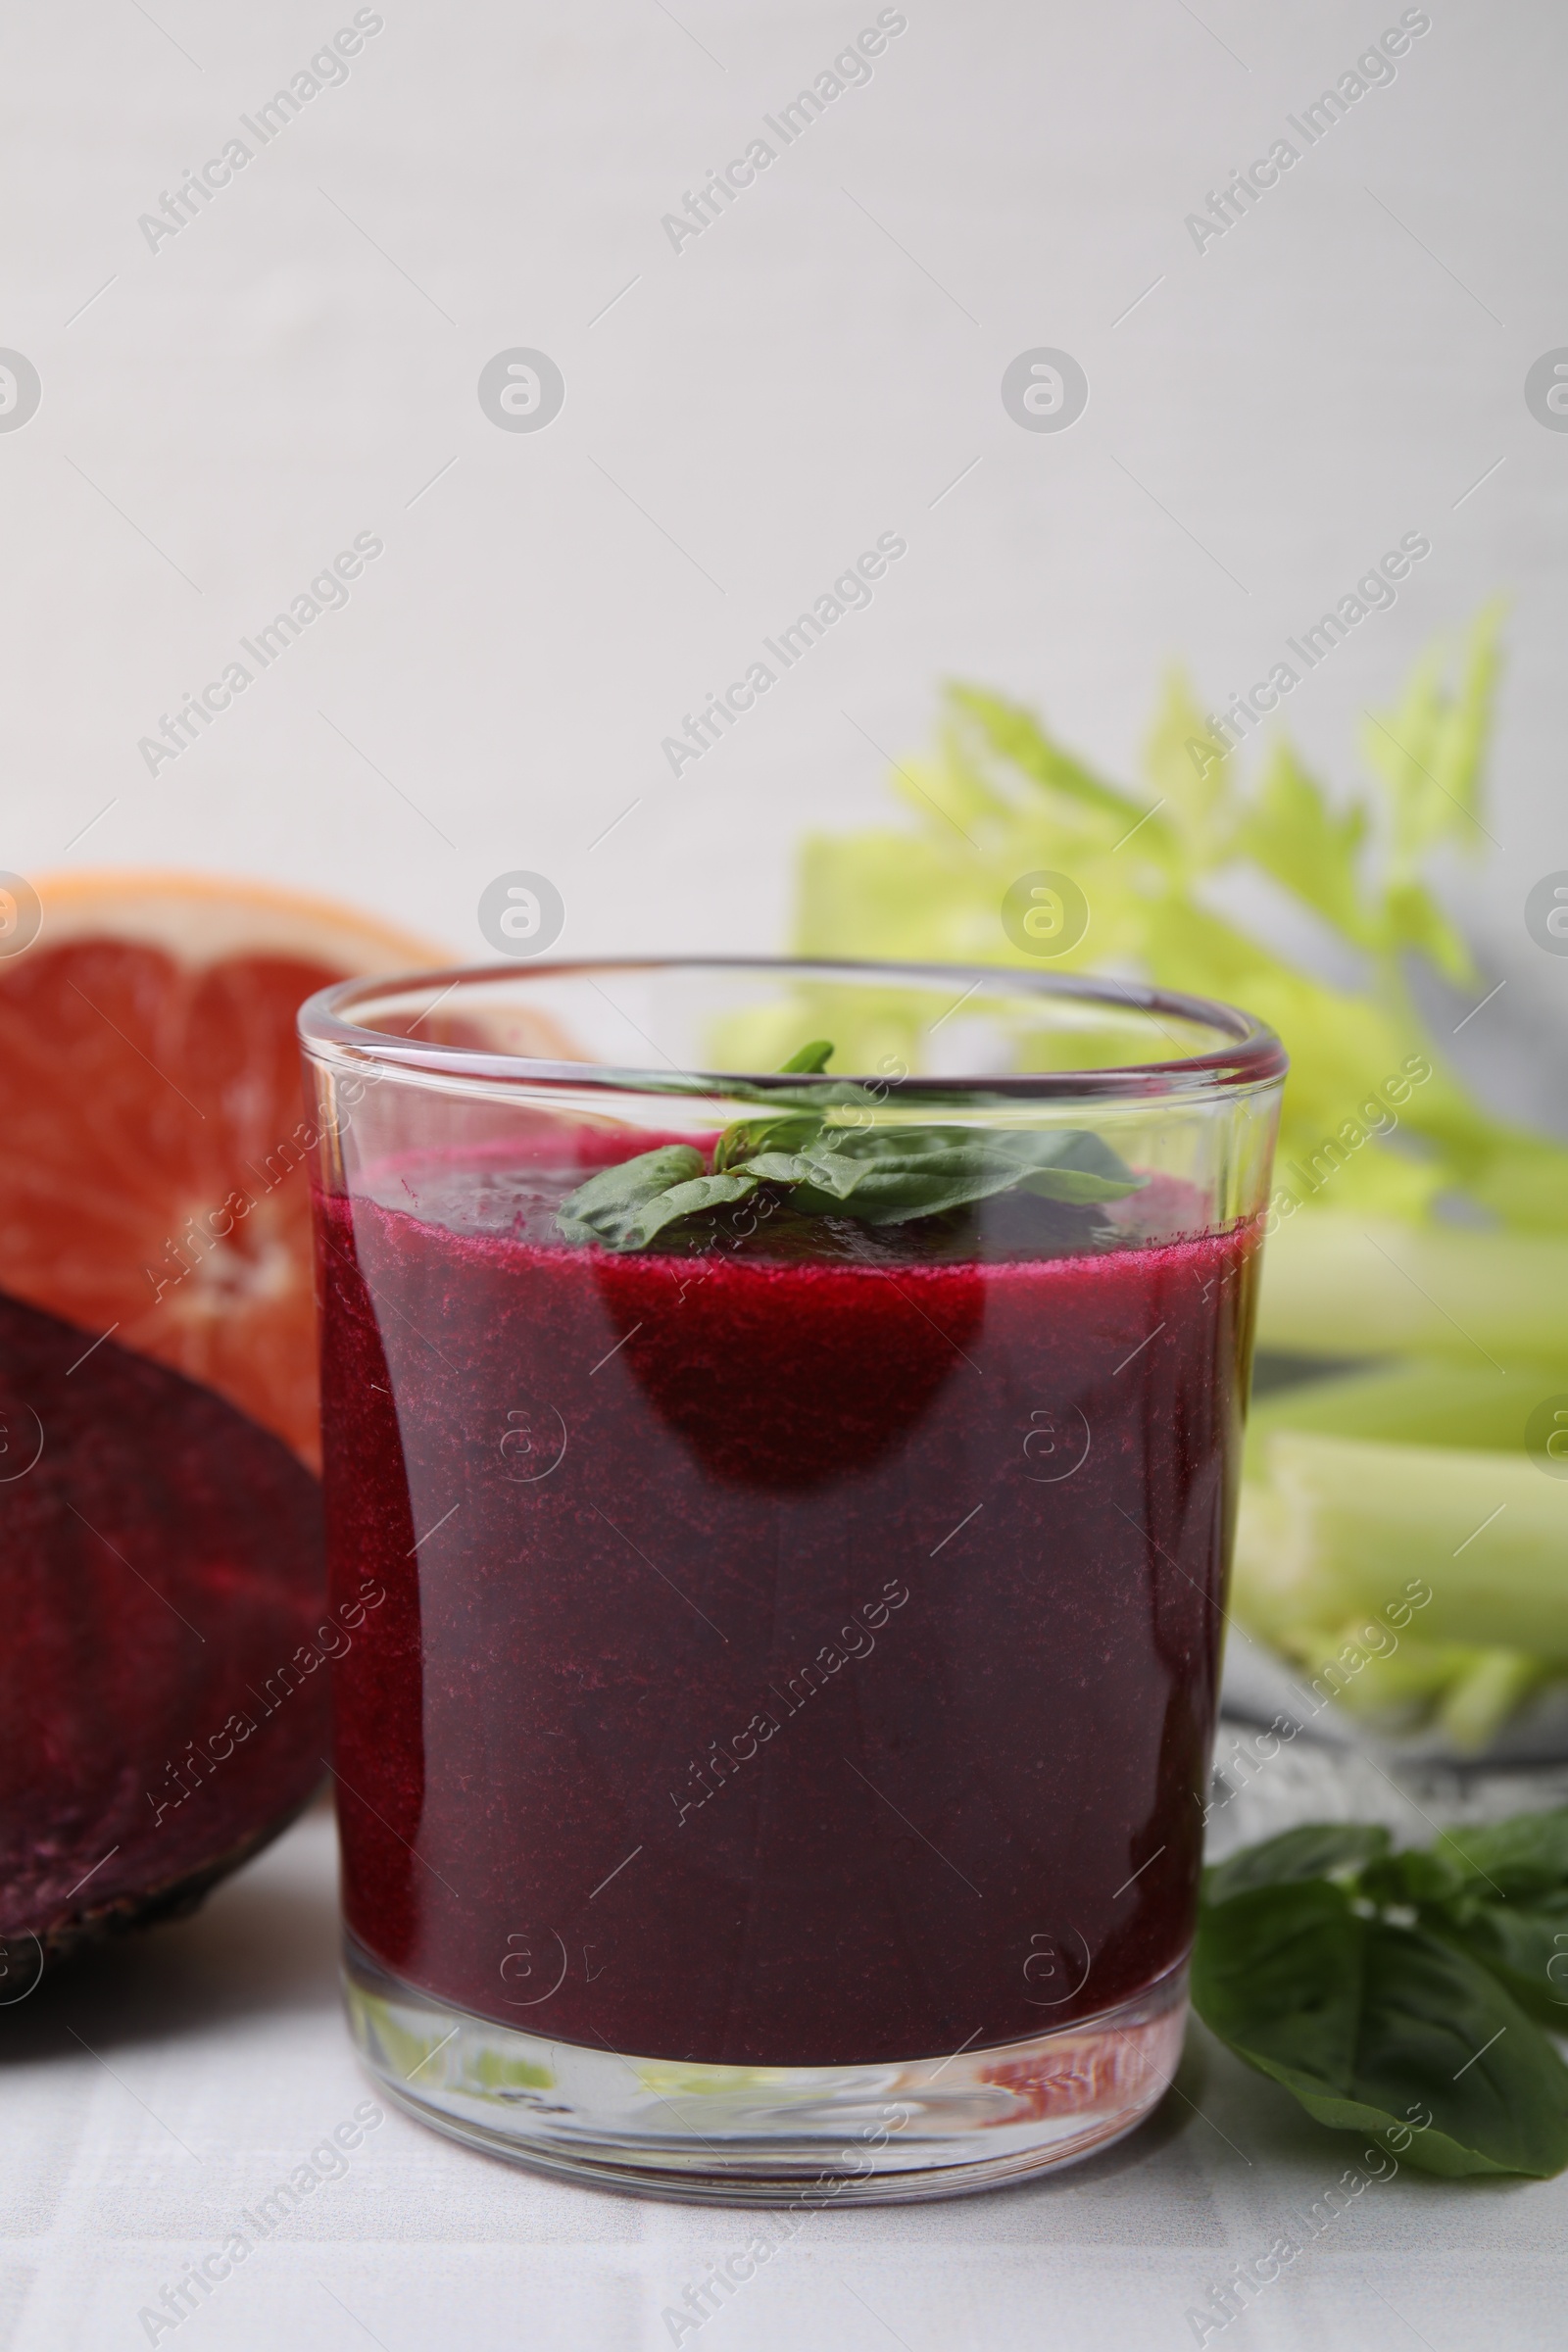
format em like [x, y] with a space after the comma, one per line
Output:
[211, 2058]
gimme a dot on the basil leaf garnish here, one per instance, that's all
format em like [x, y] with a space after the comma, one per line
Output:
[879, 1175]
[1070, 1163]
[1387, 1996]
[792, 1131]
[810, 1062]
[689, 1200]
[887, 1178]
[605, 1207]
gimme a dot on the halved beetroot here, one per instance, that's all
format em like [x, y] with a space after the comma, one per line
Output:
[163, 1677]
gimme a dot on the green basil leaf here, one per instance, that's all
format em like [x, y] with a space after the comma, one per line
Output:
[692, 1200]
[1277, 1975]
[922, 1171]
[1073, 1163]
[1078, 1185]
[1501, 1892]
[810, 1061]
[889, 1186]
[830, 1172]
[1526, 1854]
[880, 1175]
[598, 1210]
[1373, 2027]
[1316, 1851]
[790, 1133]
[1523, 1943]
[886, 1175]
[1421, 1875]
[795, 1131]
[624, 1207]
[1519, 1859]
[1436, 2027]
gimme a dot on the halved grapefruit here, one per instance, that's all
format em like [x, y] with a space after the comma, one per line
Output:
[149, 1074]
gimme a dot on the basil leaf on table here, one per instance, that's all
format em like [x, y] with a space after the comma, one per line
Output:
[1374, 2001]
[878, 1175]
[1317, 1851]
[1501, 1892]
[1525, 1855]
[1276, 1972]
[1524, 1944]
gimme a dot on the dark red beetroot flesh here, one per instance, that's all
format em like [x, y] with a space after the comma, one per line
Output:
[163, 1704]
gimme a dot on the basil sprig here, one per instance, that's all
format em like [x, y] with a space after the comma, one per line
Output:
[1390, 1991]
[828, 1167]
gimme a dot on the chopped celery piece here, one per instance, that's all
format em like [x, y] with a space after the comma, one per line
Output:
[1335, 1285]
[1480, 1701]
[1469, 1693]
[1414, 1405]
[1337, 1527]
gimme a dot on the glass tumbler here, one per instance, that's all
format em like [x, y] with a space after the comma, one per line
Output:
[784, 1515]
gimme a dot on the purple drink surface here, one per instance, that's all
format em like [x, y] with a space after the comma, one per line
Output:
[786, 1660]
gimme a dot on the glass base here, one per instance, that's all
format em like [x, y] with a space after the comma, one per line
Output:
[804, 2137]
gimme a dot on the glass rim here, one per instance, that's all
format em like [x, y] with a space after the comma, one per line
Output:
[1251, 1055]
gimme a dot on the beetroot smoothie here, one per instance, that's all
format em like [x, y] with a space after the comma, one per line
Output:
[801, 1650]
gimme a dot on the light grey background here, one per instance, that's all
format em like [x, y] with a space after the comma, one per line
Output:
[817, 367]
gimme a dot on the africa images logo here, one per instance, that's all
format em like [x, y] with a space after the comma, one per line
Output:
[20, 391]
[521, 915]
[521, 390]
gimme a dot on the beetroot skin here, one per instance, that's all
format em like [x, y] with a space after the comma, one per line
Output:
[163, 1692]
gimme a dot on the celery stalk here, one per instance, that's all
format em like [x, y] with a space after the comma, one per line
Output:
[1402, 1689]
[1335, 1285]
[1337, 1527]
[1481, 1701]
[1394, 1680]
[1412, 1403]
[1469, 1693]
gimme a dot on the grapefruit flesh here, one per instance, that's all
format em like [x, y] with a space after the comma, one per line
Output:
[154, 1144]
[163, 1678]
